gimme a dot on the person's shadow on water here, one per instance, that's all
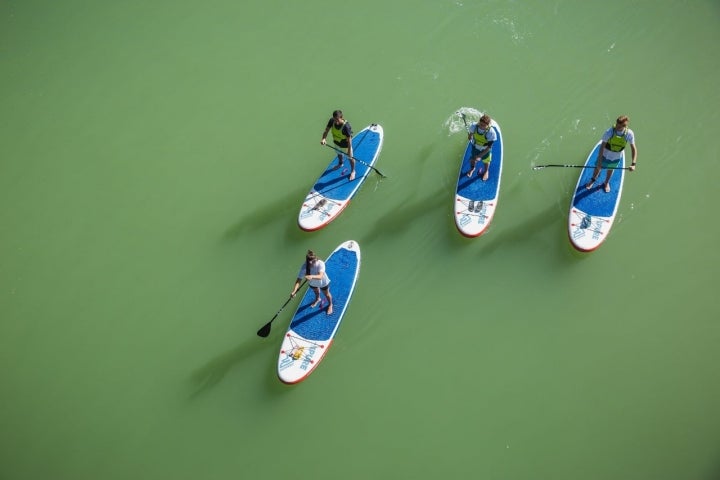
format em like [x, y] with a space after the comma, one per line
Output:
[214, 371]
[209, 375]
[399, 217]
[273, 210]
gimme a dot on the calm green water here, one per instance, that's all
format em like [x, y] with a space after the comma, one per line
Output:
[154, 157]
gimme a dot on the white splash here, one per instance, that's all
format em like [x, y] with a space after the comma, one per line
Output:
[455, 122]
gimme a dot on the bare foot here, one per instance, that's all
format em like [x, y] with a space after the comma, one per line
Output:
[352, 175]
[315, 303]
[329, 309]
[337, 166]
[470, 173]
[590, 183]
[607, 187]
[486, 175]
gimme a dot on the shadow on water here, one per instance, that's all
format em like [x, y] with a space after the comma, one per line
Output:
[209, 375]
[267, 213]
[526, 231]
[400, 216]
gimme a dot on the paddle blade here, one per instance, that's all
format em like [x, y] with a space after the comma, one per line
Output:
[265, 330]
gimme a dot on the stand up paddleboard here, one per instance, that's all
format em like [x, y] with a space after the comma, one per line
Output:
[475, 200]
[332, 192]
[312, 330]
[592, 212]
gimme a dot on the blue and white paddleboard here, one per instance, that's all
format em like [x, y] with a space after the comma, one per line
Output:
[312, 330]
[332, 192]
[475, 200]
[592, 212]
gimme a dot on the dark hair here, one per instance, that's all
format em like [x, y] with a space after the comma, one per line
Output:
[337, 114]
[309, 257]
[622, 119]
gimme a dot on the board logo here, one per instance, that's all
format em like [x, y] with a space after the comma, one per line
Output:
[302, 354]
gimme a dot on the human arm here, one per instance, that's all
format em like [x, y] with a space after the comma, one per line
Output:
[325, 133]
[601, 153]
[315, 276]
[347, 130]
[486, 149]
[634, 157]
[295, 287]
[318, 267]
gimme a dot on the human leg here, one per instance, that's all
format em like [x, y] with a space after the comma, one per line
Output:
[486, 166]
[328, 295]
[341, 160]
[473, 162]
[606, 185]
[316, 291]
[596, 172]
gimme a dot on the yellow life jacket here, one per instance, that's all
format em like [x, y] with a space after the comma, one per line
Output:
[337, 133]
[617, 142]
[481, 138]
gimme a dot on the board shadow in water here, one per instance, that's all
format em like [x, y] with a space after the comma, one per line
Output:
[526, 231]
[266, 214]
[399, 217]
[209, 375]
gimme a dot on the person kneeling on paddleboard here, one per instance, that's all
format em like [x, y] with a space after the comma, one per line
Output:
[482, 137]
[342, 137]
[313, 270]
[613, 142]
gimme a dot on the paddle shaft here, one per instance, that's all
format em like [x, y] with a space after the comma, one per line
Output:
[464, 121]
[539, 167]
[356, 159]
[265, 330]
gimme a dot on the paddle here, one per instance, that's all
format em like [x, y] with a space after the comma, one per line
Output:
[464, 121]
[265, 330]
[356, 159]
[539, 167]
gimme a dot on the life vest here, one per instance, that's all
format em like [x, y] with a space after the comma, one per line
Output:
[481, 138]
[337, 133]
[617, 142]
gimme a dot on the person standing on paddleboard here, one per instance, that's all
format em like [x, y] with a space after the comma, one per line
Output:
[313, 270]
[482, 137]
[342, 137]
[613, 142]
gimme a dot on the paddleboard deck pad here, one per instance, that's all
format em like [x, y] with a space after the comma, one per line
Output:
[592, 212]
[475, 200]
[333, 191]
[312, 330]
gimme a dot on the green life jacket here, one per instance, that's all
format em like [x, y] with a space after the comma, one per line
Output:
[617, 142]
[337, 133]
[480, 138]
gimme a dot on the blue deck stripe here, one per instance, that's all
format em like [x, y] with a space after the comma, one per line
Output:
[596, 202]
[474, 188]
[314, 323]
[334, 184]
